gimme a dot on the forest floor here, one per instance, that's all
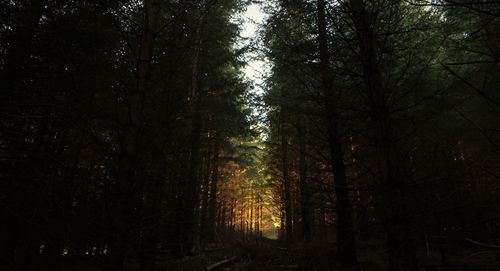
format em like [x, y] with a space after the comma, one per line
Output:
[257, 255]
[264, 255]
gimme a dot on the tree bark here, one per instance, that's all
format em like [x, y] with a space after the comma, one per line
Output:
[191, 188]
[286, 179]
[129, 178]
[150, 183]
[190, 195]
[205, 195]
[212, 207]
[400, 245]
[305, 193]
[346, 247]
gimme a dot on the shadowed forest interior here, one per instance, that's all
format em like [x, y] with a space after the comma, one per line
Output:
[157, 135]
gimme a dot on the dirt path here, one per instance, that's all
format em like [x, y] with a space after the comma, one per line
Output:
[255, 256]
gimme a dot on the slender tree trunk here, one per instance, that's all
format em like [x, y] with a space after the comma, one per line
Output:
[322, 234]
[205, 196]
[129, 179]
[242, 218]
[221, 226]
[346, 247]
[232, 216]
[282, 233]
[305, 194]
[150, 214]
[260, 219]
[189, 218]
[150, 183]
[401, 249]
[286, 179]
[251, 212]
[212, 206]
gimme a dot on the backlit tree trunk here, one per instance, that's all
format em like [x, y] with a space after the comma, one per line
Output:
[286, 178]
[305, 196]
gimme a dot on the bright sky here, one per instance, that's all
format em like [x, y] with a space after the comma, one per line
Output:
[253, 15]
[256, 67]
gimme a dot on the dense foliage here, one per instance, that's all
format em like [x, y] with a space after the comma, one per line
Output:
[115, 117]
[384, 125]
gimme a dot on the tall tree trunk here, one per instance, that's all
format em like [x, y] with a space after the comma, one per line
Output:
[221, 226]
[250, 222]
[212, 206]
[129, 177]
[121, 206]
[151, 184]
[190, 194]
[206, 191]
[286, 178]
[189, 217]
[401, 249]
[346, 247]
[305, 194]
[150, 213]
